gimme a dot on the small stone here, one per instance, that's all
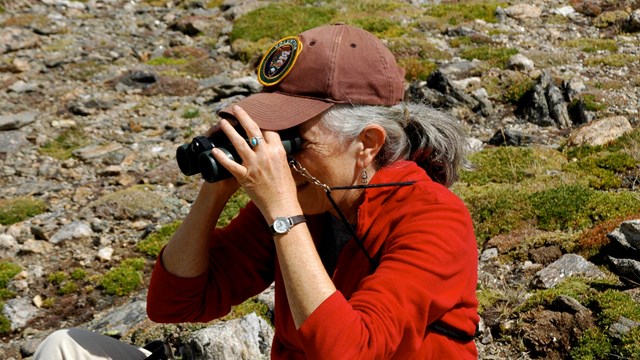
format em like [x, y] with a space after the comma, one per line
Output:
[37, 301]
[73, 231]
[600, 132]
[105, 254]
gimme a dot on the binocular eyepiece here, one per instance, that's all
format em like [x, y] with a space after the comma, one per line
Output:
[196, 158]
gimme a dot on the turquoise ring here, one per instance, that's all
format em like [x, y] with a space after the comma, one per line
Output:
[255, 141]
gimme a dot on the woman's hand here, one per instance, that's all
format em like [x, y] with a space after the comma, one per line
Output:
[264, 173]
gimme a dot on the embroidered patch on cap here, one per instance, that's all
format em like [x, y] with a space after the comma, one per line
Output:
[279, 60]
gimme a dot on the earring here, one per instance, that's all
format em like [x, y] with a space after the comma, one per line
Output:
[364, 177]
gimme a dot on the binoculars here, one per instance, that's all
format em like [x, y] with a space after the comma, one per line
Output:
[196, 158]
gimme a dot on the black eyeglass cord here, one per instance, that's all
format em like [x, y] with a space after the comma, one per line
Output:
[302, 171]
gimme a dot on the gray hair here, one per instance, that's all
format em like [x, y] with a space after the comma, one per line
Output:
[434, 140]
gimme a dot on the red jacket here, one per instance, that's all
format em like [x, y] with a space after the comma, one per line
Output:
[423, 237]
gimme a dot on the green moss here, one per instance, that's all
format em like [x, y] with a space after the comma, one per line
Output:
[593, 344]
[415, 56]
[495, 209]
[591, 45]
[278, 20]
[610, 18]
[238, 201]
[57, 277]
[78, 274]
[630, 345]
[7, 271]
[6, 294]
[48, 303]
[166, 61]
[191, 113]
[67, 287]
[603, 170]
[380, 26]
[153, 243]
[487, 298]
[412, 47]
[250, 306]
[511, 164]
[370, 6]
[610, 305]
[212, 4]
[123, 279]
[457, 13]
[417, 68]
[63, 146]
[494, 56]
[591, 103]
[507, 86]
[514, 92]
[15, 210]
[5, 324]
[84, 70]
[575, 207]
[615, 60]
[470, 40]
[574, 287]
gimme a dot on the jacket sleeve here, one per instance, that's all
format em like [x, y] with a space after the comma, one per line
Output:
[428, 267]
[241, 265]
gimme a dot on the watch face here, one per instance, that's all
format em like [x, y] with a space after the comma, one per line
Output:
[281, 225]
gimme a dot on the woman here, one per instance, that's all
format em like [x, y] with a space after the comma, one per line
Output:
[371, 254]
[379, 258]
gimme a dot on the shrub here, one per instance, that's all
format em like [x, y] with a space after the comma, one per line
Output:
[15, 210]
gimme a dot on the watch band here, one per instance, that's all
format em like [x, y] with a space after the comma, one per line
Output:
[282, 225]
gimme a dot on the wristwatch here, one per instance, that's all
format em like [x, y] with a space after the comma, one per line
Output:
[282, 225]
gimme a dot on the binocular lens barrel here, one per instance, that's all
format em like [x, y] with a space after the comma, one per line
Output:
[210, 169]
[195, 157]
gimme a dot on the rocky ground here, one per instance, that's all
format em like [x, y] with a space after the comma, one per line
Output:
[92, 78]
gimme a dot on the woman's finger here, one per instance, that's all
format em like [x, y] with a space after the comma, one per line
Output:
[250, 127]
[238, 141]
[237, 170]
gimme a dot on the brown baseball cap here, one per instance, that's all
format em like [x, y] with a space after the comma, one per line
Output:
[305, 75]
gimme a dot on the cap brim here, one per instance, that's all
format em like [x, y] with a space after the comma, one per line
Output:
[276, 111]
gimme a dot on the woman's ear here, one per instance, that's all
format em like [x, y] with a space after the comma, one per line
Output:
[372, 138]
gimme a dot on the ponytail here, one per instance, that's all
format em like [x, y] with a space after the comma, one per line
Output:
[434, 140]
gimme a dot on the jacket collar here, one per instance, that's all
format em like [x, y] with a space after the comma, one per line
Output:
[379, 201]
